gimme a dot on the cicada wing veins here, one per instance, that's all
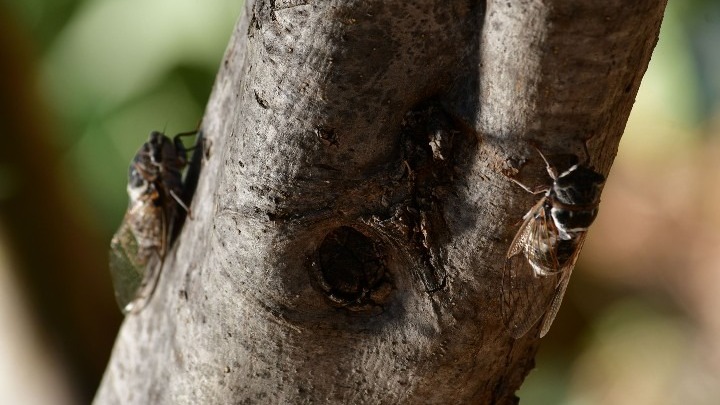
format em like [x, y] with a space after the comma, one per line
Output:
[146, 289]
[554, 306]
[127, 267]
[566, 272]
[525, 295]
[135, 261]
[531, 274]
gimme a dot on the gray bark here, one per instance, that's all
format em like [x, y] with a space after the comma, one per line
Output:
[321, 118]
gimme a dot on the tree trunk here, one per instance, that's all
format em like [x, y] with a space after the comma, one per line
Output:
[354, 211]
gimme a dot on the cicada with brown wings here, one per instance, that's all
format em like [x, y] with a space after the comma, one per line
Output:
[543, 253]
[155, 190]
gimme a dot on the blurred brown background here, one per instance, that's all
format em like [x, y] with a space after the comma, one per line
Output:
[85, 81]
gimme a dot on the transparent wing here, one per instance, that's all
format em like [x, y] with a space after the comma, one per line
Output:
[526, 294]
[526, 297]
[127, 267]
[566, 272]
[134, 262]
[541, 245]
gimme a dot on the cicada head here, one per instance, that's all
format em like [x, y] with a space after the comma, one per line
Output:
[170, 158]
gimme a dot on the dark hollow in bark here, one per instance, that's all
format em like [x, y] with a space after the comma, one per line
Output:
[353, 209]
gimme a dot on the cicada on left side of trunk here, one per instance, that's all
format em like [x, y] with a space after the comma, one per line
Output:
[155, 191]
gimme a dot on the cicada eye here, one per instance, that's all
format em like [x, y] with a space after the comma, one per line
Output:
[135, 179]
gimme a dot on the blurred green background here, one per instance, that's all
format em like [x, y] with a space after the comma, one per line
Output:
[83, 83]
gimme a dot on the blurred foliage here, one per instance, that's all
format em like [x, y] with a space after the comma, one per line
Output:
[112, 71]
[84, 84]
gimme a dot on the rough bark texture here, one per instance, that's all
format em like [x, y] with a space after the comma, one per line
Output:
[353, 210]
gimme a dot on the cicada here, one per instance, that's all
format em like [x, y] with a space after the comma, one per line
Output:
[138, 248]
[543, 253]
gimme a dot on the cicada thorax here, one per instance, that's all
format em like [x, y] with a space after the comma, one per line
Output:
[158, 166]
[573, 199]
[140, 244]
[154, 187]
[170, 158]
